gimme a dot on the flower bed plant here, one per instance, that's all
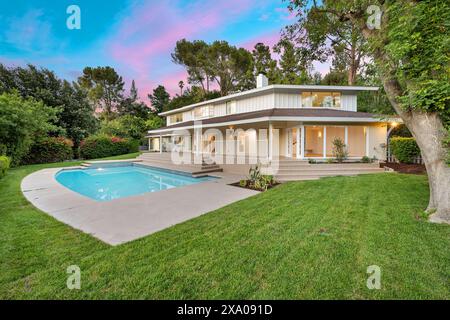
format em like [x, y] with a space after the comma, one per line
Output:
[257, 181]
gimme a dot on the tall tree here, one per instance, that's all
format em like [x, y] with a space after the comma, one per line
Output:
[410, 49]
[293, 70]
[105, 88]
[181, 86]
[133, 91]
[159, 99]
[230, 67]
[320, 35]
[264, 63]
[194, 57]
[131, 105]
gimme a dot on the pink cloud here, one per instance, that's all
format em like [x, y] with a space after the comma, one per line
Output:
[148, 36]
[269, 39]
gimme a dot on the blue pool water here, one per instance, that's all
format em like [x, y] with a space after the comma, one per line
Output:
[109, 183]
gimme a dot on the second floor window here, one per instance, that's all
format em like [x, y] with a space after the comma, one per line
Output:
[176, 118]
[321, 99]
[203, 112]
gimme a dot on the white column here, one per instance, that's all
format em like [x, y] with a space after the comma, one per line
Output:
[160, 143]
[367, 140]
[346, 136]
[270, 140]
[302, 142]
[297, 145]
[324, 141]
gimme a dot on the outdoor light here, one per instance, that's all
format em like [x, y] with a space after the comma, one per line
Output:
[394, 124]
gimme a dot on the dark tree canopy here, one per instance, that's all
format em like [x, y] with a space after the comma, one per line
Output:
[105, 88]
[159, 99]
[75, 114]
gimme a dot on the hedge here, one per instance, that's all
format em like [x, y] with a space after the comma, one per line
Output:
[101, 146]
[49, 149]
[4, 165]
[404, 149]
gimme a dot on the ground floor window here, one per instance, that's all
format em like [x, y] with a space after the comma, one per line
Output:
[332, 134]
[318, 140]
[356, 144]
[314, 138]
[154, 144]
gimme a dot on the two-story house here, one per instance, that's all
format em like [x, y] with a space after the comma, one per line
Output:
[307, 119]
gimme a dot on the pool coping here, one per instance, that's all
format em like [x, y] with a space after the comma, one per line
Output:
[144, 214]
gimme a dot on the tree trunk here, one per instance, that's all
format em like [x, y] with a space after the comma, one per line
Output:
[429, 132]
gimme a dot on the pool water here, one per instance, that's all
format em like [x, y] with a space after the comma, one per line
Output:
[109, 183]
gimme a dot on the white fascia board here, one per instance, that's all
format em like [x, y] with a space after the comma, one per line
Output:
[263, 119]
[274, 88]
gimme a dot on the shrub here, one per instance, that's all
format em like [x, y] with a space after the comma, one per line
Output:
[339, 150]
[4, 165]
[49, 149]
[21, 121]
[101, 146]
[366, 159]
[404, 149]
[257, 180]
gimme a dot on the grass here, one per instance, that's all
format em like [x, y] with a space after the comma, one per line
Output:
[303, 240]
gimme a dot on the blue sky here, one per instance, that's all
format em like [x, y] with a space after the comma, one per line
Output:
[135, 37]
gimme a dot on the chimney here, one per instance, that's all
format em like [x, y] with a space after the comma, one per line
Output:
[261, 81]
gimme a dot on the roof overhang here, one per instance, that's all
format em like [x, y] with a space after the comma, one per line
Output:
[199, 124]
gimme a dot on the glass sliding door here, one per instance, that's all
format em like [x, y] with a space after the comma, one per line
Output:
[314, 139]
[356, 141]
[334, 133]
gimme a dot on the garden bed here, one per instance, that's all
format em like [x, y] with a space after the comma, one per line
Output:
[404, 167]
[237, 184]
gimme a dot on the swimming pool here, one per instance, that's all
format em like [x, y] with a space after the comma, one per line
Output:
[113, 182]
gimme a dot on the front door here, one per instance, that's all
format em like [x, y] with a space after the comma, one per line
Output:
[292, 142]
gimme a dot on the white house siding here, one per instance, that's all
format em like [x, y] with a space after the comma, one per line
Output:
[269, 101]
[288, 100]
[377, 137]
[349, 102]
[255, 103]
[220, 110]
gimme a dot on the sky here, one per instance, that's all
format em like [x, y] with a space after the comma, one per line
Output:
[136, 37]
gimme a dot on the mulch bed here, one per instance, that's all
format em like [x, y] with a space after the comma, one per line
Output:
[236, 184]
[404, 167]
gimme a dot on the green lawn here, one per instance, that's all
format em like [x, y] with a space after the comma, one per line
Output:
[301, 240]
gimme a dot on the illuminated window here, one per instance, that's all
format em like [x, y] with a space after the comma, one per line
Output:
[321, 99]
[176, 118]
[203, 112]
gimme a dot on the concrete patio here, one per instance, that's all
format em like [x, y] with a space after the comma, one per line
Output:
[126, 219]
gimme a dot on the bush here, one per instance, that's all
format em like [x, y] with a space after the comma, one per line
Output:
[21, 122]
[404, 149]
[49, 149]
[339, 150]
[101, 146]
[4, 165]
[366, 159]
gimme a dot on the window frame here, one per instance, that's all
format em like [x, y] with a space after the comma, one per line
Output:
[309, 98]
